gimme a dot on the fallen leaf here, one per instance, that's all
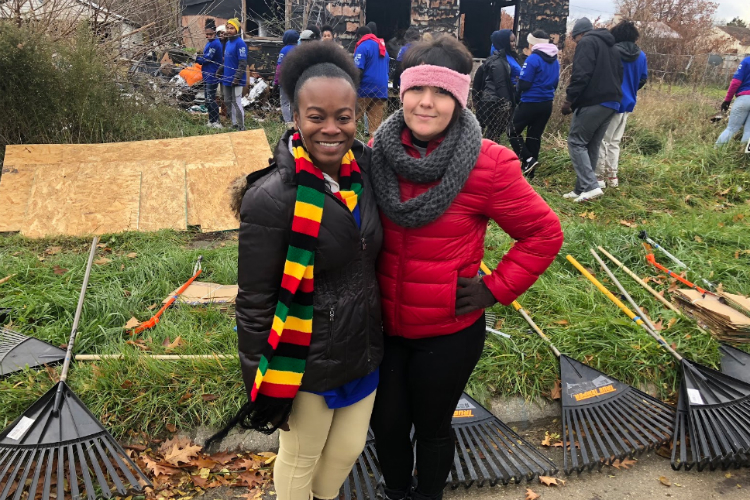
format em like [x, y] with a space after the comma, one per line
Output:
[698, 239]
[127, 384]
[658, 326]
[558, 444]
[171, 427]
[728, 475]
[250, 464]
[132, 255]
[556, 391]
[249, 479]
[209, 397]
[182, 454]
[562, 322]
[671, 323]
[204, 463]
[546, 440]
[625, 464]
[665, 481]
[59, 270]
[140, 344]
[178, 342]
[101, 261]
[157, 468]
[268, 455]
[101, 245]
[132, 323]
[152, 307]
[53, 250]
[184, 398]
[530, 495]
[628, 224]
[200, 482]
[551, 481]
[6, 278]
[223, 458]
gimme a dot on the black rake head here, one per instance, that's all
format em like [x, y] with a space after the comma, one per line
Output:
[735, 363]
[63, 454]
[604, 420]
[18, 351]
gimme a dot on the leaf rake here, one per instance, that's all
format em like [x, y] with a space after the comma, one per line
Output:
[603, 419]
[712, 422]
[19, 351]
[57, 448]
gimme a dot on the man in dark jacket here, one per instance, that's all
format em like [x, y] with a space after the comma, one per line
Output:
[594, 94]
[493, 88]
[211, 60]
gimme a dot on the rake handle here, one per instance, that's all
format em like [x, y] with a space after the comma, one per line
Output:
[74, 328]
[163, 357]
[647, 325]
[534, 326]
[644, 236]
[652, 260]
[155, 318]
[639, 281]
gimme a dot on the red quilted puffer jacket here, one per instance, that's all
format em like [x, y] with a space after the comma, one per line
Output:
[418, 267]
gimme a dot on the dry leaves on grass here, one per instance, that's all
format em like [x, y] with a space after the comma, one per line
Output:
[171, 346]
[59, 270]
[132, 323]
[180, 469]
[132, 255]
[628, 223]
[102, 261]
[531, 495]
[588, 215]
[3, 280]
[556, 391]
[53, 250]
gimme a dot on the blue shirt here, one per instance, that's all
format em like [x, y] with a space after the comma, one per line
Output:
[515, 69]
[234, 51]
[400, 56]
[284, 51]
[543, 76]
[632, 74]
[375, 70]
[211, 61]
[611, 105]
[743, 75]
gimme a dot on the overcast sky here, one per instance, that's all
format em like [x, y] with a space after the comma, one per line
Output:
[727, 10]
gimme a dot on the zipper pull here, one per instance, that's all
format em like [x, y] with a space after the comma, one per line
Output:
[364, 244]
[331, 314]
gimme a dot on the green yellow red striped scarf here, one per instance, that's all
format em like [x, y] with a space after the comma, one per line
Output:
[282, 363]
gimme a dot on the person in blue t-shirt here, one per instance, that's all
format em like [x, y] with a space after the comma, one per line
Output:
[740, 114]
[410, 36]
[235, 76]
[289, 40]
[211, 60]
[634, 76]
[536, 85]
[371, 57]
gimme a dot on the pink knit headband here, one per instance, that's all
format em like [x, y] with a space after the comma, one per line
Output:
[427, 75]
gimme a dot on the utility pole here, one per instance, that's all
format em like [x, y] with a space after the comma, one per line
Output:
[244, 15]
[287, 14]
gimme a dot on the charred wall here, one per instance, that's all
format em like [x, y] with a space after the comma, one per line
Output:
[549, 15]
[435, 16]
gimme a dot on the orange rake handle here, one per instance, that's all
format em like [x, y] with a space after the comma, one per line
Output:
[652, 260]
[146, 325]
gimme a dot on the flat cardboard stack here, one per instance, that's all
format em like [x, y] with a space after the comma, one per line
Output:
[84, 189]
[725, 323]
[201, 293]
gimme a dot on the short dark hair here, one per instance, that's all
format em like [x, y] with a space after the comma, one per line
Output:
[373, 27]
[443, 51]
[310, 60]
[326, 27]
[412, 34]
[315, 30]
[540, 34]
[362, 31]
[625, 31]
[209, 24]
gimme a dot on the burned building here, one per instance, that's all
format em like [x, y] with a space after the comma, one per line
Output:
[472, 21]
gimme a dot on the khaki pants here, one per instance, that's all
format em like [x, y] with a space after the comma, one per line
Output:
[374, 108]
[320, 447]
[609, 153]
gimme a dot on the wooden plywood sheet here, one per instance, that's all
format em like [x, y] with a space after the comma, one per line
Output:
[33, 154]
[15, 187]
[251, 149]
[216, 147]
[208, 195]
[82, 199]
[163, 197]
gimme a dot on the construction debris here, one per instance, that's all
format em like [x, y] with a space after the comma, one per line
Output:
[724, 322]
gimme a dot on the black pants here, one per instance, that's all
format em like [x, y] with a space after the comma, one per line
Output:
[494, 117]
[421, 382]
[534, 116]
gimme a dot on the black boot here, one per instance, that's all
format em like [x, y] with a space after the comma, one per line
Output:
[416, 495]
[395, 494]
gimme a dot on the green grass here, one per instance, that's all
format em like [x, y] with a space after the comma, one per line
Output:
[690, 197]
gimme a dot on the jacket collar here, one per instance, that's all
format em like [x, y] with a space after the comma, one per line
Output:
[408, 141]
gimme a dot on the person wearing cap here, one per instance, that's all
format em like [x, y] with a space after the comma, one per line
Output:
[307, 36]
[290, 39]
[235, 77]
[593, 97]
[635, 75]
[536, 85]
[438, 184]
[372, 59]
[211, 60]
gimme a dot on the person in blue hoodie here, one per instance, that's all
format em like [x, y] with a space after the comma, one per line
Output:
[289, 39]
[235, 75]
[211, 60]
[494, 85]
[740, 114]
[537, 83]
[634, 76]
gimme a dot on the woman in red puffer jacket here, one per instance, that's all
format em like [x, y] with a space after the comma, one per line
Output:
[438, 183]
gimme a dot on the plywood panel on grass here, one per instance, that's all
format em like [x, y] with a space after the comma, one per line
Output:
[33, 154]
[251, 149]
[15, 187]
[163, 195]
[82, 199]
[209, 197]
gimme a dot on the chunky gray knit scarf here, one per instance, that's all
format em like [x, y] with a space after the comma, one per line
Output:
[451, 163]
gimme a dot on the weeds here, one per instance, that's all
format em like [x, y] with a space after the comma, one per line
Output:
[686, 194]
